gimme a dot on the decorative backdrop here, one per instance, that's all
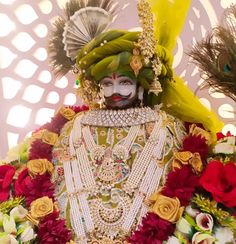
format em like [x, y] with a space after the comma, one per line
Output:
[30, 94]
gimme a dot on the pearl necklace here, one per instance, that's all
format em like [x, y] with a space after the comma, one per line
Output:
[119, 118]
[142, 181]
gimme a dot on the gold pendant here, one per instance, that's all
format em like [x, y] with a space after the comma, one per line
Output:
[106, 240]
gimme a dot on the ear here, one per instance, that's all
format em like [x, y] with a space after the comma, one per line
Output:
[140, 93]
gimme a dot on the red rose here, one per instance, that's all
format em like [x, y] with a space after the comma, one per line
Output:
[219, 179]
[153, 230]
[21, 183]
[6, 174]
[53, 230]
[181, 183]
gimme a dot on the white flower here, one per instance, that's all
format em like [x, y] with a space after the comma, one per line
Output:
[173, 240]
[18, 213]
[202, 238]
[226, 147]
[13, 240]
[191, 211]
[9, 224]
[28, 234]
[205, 221]
[224, 235]
[183, 226]
[8, 239]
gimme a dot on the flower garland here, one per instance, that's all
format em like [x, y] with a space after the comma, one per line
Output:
[198, 202]
[32, 205]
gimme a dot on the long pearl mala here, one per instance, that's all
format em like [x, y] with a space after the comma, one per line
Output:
[144, 177]
[140, 166]
[150, 179]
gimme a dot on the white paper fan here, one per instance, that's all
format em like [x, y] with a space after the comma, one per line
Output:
[82, 27]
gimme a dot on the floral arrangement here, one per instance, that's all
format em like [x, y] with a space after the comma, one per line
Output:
[28, 209]
[198, 202]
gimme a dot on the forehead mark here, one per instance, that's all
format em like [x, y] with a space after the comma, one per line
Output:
[114, 76]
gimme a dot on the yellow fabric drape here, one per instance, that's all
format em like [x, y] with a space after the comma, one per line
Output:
[169, 19]
[177, 98]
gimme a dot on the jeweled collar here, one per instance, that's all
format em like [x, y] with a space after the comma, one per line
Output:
[120, 118]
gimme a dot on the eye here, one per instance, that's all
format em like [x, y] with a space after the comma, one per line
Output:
[106, 83]
[126, 82]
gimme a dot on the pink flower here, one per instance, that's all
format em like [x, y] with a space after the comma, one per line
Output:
[205, 221]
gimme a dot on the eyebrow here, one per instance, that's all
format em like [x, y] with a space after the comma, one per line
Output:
[108, 78]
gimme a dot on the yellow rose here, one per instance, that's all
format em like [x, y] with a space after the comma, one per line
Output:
[49, 137]
[39, 166]
[196, 162]
[67, 113]
[41, 207]
[181, 158]
[168, 208]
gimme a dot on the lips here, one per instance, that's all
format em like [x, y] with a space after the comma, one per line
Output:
[116, 98]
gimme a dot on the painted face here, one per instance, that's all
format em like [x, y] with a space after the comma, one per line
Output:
[119, 91]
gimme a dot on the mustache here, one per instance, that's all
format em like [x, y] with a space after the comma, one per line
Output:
[118, 95]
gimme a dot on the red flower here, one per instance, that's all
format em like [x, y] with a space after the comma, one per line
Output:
[220, 135]
[21, 183]
[35, 188]
[39, 187]
[53, 230]
[198, 144]
[181, 183]
[220, 181]
[6, 174]
[152, 231]
[40, 149]
[56, 124]
[78, 109]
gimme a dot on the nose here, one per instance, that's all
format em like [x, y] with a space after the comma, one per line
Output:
[115, 88]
